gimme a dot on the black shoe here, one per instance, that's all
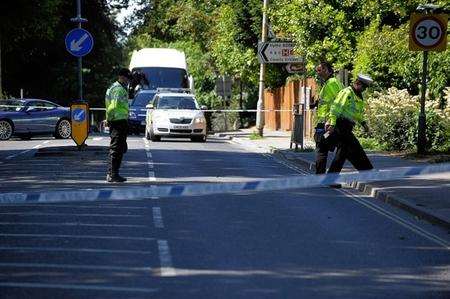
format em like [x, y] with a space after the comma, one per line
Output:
[336, 186]
[115, 178]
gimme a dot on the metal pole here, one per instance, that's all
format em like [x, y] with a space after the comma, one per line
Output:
[1, 88]
[421, 135]
[80, 60]
[262, 72]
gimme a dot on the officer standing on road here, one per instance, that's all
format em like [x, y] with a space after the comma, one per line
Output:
[116, 103]
[345, 112]
[330, 88]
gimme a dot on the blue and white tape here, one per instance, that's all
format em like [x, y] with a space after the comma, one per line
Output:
[162, 191]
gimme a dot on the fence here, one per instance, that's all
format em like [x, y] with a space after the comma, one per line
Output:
[283, 99]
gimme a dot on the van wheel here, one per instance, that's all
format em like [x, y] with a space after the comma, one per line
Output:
[63, 129]
[6, 129]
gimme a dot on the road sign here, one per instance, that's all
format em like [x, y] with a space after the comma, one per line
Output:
[428, 32]
[294, 68]
[277, 52]
[79, 113]
[79, 42]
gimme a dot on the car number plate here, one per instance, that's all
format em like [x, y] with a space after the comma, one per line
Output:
[180, 127]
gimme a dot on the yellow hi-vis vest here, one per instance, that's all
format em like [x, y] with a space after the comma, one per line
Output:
[327, 95]
[347, 105]
[116, 102]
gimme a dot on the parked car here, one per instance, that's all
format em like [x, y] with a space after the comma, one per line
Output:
[137, 113]
[28, 117]
[175, 114]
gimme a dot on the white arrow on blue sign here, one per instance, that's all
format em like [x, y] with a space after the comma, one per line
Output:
[79, 42]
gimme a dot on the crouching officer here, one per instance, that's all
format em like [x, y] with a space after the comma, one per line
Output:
[325, 142]
[345, 112]
[116, 102]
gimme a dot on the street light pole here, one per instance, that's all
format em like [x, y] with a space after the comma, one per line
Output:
[262, 72]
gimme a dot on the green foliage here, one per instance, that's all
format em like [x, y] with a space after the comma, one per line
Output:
[393, 119]
[385, 55]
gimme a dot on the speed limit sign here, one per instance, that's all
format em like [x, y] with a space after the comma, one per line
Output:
[428, 32]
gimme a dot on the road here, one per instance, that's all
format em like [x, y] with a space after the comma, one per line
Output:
[306, 243]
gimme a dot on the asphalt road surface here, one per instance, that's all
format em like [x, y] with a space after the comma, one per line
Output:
[305, 243]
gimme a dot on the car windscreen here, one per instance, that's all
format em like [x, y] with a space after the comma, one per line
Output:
[176, 103]
[11, 105]
[164, 77]
[142, 99]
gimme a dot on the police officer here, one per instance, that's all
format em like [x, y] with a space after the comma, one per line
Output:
[347, 110]
[116, 102]
[330, 88]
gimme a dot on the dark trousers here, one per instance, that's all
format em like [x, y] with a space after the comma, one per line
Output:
[323, 146]
[348, 147]
[118, 131]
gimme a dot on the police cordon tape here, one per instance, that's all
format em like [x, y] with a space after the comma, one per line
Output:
[222, 110]
[163, 191]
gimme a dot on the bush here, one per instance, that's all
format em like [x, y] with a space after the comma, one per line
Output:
[393, 119]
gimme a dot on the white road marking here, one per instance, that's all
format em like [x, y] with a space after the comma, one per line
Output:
[165, 259]
[73, 266]
[68, 214]
[75, 206]
[157, 218]
[85, 250]
[73, 224]
[18, 154]
[26, 151]
[97, 138]
[151, 176]
[74, 287]
[397, 219]
[50, 236]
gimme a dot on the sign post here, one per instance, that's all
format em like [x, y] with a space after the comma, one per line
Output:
[79, 43]
[427, 32]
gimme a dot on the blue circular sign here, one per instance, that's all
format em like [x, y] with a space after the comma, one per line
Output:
[79, 42]
[78, 115]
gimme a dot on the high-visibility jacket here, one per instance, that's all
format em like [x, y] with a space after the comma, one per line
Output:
[116, 102]
[347, 105]
[327, 95]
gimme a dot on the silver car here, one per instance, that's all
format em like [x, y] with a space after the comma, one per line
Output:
[29, 117]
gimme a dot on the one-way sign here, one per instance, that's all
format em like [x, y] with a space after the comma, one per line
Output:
[277, 52]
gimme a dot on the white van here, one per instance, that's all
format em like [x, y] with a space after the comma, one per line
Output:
[162, 68]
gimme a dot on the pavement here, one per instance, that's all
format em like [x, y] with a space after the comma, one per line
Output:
[427, 196]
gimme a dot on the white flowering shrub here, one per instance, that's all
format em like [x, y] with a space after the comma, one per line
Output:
[393, 118]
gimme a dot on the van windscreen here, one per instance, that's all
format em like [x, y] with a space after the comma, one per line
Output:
[164, 77]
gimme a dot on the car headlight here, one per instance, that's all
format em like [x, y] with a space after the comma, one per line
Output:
[131, 114]
[199, 120]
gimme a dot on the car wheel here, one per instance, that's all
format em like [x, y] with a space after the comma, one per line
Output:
[6, 129]
[198, 138]
[63, 129]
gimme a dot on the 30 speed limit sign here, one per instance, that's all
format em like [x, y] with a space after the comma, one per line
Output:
[428, 32]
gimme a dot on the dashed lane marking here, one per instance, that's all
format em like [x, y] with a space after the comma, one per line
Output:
[63, 249]
[157, 217]
[165, 259]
